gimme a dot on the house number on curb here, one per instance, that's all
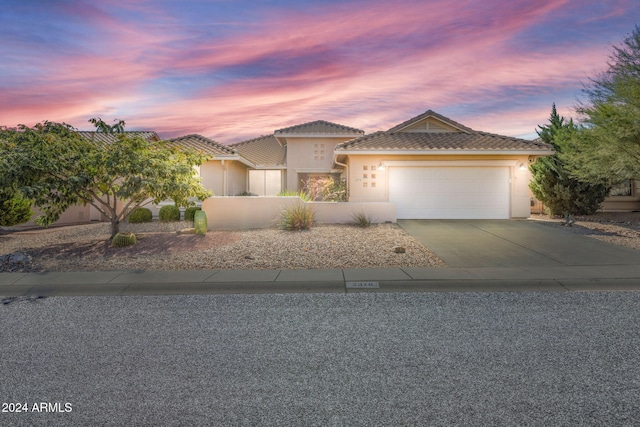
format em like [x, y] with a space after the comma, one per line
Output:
[363, 285]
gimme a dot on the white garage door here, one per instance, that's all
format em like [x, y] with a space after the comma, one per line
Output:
[450, 192]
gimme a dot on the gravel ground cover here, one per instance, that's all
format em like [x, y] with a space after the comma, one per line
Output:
[619, 228]
[436, 359]
[159, 247]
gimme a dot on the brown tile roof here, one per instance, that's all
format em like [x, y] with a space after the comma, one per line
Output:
[263, 151]
[319, 127]
[430, 113]
[200, 143]
[108, 138]
[446, 141]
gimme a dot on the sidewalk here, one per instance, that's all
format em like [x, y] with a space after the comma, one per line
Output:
[480, 279]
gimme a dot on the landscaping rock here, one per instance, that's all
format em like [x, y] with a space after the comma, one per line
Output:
[15, 262]
[399, 249]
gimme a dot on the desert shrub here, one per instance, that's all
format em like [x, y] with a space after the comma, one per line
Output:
[169, 213]
[190, 213]
[140, 215]
[298, 216]
[361, 219]
[121, 240]
[291, 193]
[326, 189]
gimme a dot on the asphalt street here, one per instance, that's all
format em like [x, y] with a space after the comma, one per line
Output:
[364, 359]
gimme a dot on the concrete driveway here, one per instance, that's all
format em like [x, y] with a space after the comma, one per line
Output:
[514, 243]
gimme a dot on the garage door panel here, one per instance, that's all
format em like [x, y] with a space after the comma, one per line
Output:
[450, 192]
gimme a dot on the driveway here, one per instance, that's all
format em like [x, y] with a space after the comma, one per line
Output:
[513, 243]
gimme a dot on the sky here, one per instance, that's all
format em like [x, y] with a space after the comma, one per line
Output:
[234, 70]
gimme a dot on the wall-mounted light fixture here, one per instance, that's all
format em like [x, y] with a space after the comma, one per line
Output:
[381, 166]
[522, 167]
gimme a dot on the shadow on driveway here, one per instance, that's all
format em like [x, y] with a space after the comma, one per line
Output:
[513, 243]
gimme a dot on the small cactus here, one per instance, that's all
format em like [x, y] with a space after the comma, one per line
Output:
[200, 222]
[121, 240]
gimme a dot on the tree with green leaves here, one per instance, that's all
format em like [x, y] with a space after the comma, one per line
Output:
[552, 182]
[606, 148]
[54, 167]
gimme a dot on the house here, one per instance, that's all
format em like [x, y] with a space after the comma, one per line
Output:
[427, 167]
[432, 167]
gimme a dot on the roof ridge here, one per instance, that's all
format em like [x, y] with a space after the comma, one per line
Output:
[438, 116]
[251, 140]
[325, 122]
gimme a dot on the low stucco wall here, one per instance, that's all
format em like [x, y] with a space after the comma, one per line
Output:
[236, 213]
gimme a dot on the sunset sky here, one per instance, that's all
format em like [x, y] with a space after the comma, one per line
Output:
[233, 70]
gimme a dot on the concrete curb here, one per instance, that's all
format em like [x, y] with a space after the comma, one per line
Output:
[508, 279]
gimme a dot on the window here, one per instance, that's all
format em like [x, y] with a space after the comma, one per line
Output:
[622, 189]
[364, 168]
[365, 176]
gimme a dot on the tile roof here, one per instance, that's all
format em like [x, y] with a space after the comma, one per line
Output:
[319, 127]
[109, 138]
[430, 113]
[446, 141]
[203, 144]
[262, 151]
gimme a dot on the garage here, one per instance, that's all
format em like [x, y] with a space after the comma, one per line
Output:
[450, 192]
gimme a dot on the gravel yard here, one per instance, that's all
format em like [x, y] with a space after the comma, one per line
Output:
[619, 228]
[159, 247]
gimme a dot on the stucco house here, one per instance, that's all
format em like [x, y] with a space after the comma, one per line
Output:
[428, 166]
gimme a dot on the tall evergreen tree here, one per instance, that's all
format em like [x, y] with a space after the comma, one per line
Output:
[552, 182]
[607, 147]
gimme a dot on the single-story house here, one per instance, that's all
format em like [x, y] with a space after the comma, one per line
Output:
[428, 166]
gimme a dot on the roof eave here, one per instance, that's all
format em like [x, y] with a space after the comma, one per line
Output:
[446, 152]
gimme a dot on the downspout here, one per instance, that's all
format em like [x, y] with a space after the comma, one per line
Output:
[224, 179]
[346, 170]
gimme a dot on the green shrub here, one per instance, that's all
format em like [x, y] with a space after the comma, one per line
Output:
[169, 213]
[298, 216]
[290, 193]
[245, 194]
[14, 208]
[140, 215]
[361, 219]
[190, 213]
[121, 240]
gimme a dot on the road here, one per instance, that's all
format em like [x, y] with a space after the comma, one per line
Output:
[528, 358]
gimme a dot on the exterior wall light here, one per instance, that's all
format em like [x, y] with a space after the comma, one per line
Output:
[522, 167]
[381, 166]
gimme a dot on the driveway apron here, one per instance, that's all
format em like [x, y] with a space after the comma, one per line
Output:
[513, 243]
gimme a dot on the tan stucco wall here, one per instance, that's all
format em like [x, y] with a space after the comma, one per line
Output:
[75, 214]
[301, 157]
[212, 173]
[237, 213]
[520, 194]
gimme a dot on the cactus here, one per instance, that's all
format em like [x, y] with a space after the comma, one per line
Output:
[200, 222]
[121, 240]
